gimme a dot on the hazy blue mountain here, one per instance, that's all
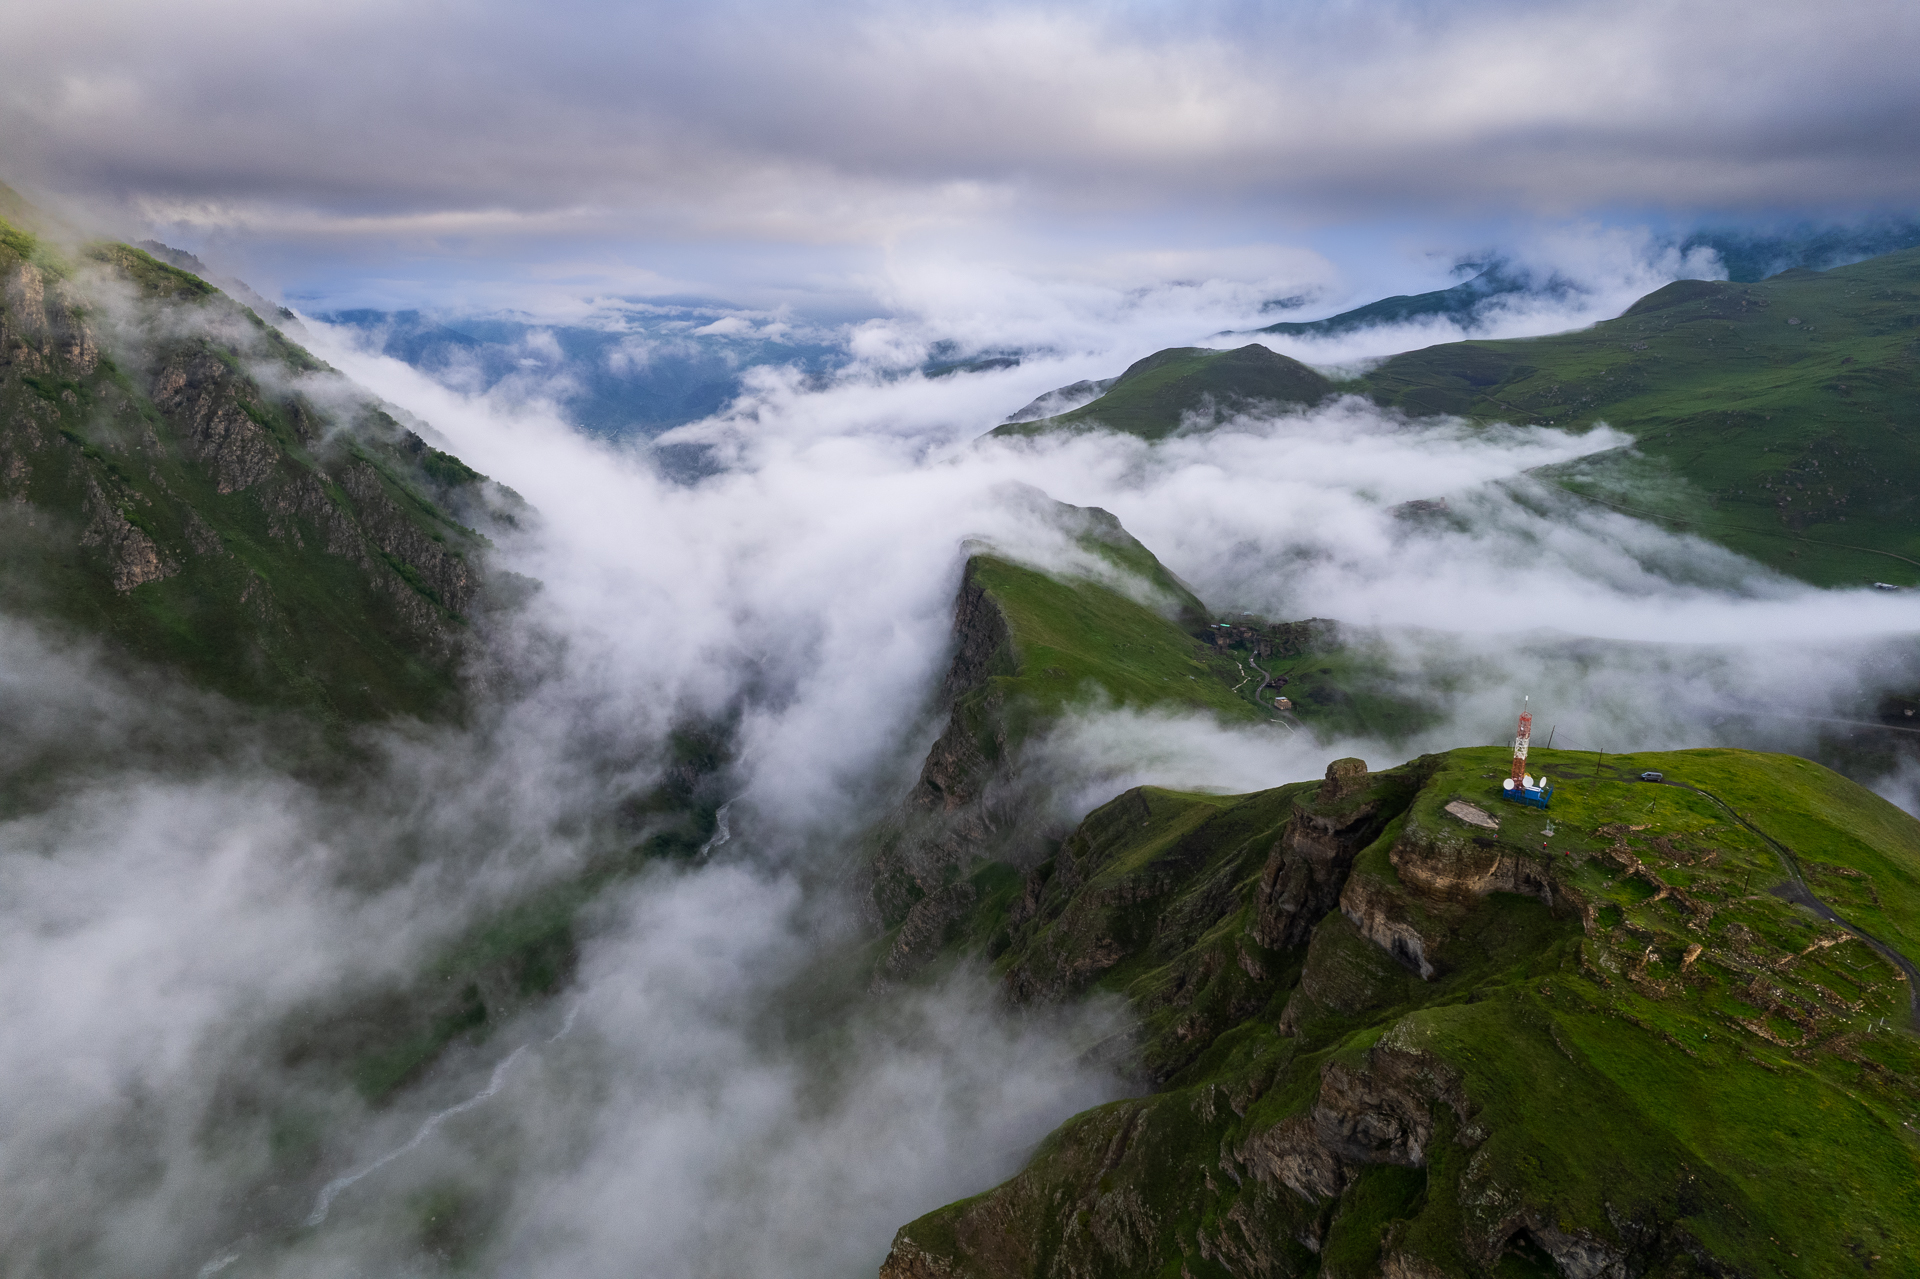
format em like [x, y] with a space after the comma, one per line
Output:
[1462, 302]
[663, 367]
[1751, 256]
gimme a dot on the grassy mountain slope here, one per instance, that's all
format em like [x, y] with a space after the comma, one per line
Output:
[1074, 640]
[1154, 395]
[1458, 303]
[1779, 418]
[1032, 647]
[179, 480]
[1628, 1053]
[1747, 256]
[169, 485]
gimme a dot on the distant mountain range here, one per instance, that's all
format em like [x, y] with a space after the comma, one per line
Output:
[1784, 409]
[664, 366]
[1748, 257]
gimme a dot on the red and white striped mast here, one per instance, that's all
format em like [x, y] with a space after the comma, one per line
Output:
[1520, 740]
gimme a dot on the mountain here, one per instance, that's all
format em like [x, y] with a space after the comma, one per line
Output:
[1386, 1022]
[1751, 256]
[182, 479]
[182, 482]
[1461, 303]
[1062, 400]
[1777, 418]
[1747, 256]
[1391, 1025]
[1186, 385]
[657, 366]
[1031, 648]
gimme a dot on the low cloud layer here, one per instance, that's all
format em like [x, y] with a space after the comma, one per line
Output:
[713, 1093]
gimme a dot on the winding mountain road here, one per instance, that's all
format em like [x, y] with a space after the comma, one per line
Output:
[1266, 679]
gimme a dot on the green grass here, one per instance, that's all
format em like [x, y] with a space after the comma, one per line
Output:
[1743, 1104]
[275, 616]
[154, 278]
[1078, 642]
[1793, 443]
[1075, 640]
[1154, 395]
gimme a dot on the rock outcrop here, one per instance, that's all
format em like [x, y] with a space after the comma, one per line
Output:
[950, 817]
[1308, 867]
[163, 478]
[1376, 1038]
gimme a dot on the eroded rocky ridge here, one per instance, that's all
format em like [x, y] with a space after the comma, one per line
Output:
[959, 805]
[168, 475]
[974, 803]
[1376, 1038]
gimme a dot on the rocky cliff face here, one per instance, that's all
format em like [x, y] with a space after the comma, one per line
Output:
[167, 478]
[1307, 869]
[1030, 647]
[1263, 876]
[1378, 1037]
[955, 812]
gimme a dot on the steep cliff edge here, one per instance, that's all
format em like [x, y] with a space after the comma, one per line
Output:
[1032, 648]
[177, 476]
[1384, 1038]
[1029, 648]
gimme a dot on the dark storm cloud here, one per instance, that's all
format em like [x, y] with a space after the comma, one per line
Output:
[810, 123]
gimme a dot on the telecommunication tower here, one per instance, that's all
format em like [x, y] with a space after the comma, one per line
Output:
[1522, 787]
[1520, 740]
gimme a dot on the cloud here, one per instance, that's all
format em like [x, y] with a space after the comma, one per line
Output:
[883, 125]
[713, 1090]
[1575, 274]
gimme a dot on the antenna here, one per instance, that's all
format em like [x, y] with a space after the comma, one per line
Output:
[1520, 740]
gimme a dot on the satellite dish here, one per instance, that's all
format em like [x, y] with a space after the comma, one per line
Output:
[1506, 783]
[1526, 780]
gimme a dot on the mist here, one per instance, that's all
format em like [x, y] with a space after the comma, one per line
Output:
[716, 1090]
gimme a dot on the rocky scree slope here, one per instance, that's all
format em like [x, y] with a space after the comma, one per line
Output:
[168, 479]
[1391, 1025]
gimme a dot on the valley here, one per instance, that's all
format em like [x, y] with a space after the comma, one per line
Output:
[1365, 1018]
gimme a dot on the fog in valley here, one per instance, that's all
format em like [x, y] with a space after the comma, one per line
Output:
[715, 1090]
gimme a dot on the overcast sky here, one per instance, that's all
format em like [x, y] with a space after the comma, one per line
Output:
[797, 149]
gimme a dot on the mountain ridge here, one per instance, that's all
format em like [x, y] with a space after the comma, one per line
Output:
[1776, 417]
[1381, 1040]
[1160, 393]
[171, 486]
